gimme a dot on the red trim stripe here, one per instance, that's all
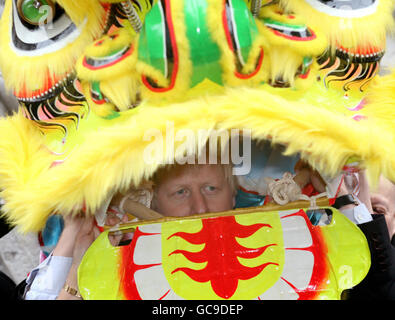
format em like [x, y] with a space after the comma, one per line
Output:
[172, 35]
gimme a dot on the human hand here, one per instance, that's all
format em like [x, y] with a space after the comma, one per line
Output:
[87, 233]
[305, 174]
[116, 202]
[66, 242]
[348, 185]
[113, 219]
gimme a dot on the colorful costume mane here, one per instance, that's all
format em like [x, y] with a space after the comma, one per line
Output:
[91, 79]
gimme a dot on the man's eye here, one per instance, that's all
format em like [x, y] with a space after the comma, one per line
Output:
[211, 188]
[180, 192]
[378, 210]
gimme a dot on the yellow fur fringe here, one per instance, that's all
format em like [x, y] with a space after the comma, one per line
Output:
[77, 10]
[380, 103]
[367, 31]
[23, 164]
[228, 60]
[285, 56]
[107, 47]
[112, 157]
[120, 91]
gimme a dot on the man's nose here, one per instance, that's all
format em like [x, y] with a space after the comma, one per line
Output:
[199, 204]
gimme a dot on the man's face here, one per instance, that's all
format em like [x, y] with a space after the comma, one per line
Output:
[383, 202]
[194, 190]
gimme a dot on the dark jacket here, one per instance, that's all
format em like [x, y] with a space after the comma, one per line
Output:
[7, 287]
[379, 284]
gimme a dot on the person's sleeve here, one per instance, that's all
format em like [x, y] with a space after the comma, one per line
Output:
[380, 281]
[359, 214]
[382, 251]
[46, 281]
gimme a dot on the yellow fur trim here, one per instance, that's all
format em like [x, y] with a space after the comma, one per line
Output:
[149, 71]
[21, 169]
[111, 154]
[367, 31]
[77, 10]
[382, 92]
[285, 65]
[19, 71]
[380, 103]
[325, 137]
[122, 158]
[118, 81]
[103, 109]
[228, 60]
[121, 91]
[313, 47]
[105, 47]
[304, 83]
[110, 42]
[285, 56]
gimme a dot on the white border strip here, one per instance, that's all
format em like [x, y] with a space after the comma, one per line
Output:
[343, 13]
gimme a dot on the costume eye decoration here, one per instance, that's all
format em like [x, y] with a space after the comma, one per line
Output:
[345, 8]
[38, 28]
[36, 12]
[345, 4]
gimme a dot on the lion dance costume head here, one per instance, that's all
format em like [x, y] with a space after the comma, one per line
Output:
[93, 76]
